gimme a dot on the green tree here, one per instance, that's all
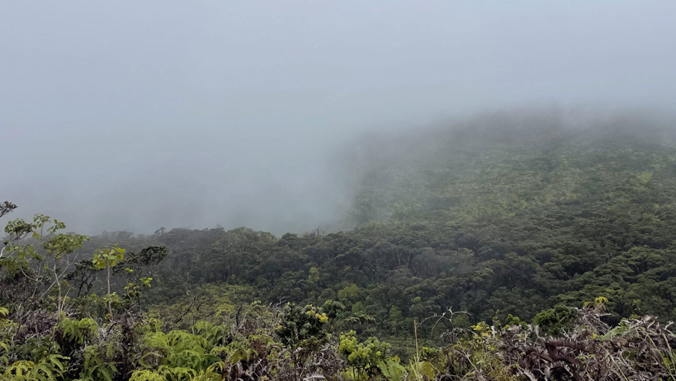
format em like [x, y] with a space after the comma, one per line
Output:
[107, 258]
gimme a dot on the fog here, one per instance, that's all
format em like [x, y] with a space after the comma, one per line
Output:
[137, 115]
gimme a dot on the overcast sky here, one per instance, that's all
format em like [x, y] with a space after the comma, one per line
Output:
[140, 114]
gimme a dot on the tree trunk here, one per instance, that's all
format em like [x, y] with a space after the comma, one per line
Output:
[110, 309]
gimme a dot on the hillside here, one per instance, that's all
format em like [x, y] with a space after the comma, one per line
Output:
[505, 219]
[508, 218]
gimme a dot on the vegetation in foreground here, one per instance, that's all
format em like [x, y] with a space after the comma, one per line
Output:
[47, 335]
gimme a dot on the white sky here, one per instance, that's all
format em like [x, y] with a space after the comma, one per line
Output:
[140, 114]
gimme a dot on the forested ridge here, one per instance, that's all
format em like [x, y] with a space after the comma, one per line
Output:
[482, 221]
[511, 246]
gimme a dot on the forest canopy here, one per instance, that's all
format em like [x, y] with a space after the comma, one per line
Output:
[516, 246]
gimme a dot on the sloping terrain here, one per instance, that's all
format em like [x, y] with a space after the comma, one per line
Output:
[509, 214]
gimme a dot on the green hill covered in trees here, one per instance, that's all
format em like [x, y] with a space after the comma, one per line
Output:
[509, 214]
[462, 236]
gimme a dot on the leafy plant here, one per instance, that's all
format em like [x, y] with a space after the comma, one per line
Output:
[108, 258]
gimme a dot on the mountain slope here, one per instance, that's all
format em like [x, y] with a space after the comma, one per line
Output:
[506, 214]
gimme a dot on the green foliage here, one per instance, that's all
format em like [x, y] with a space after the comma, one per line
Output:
[99, 363]
[215, 335]
[176, 349]
[74, 333]
[49, 368]
[108, 257]
[370, 358]
[164, 373]
[303, 326]
[422, 370]
[557, 320]
[147, 375]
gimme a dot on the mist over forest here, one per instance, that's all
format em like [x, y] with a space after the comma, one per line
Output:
[303, 190]
[138, 116]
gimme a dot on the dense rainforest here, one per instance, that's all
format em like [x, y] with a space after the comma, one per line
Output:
[513, 246]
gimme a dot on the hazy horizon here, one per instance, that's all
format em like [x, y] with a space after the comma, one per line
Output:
[133, 116]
